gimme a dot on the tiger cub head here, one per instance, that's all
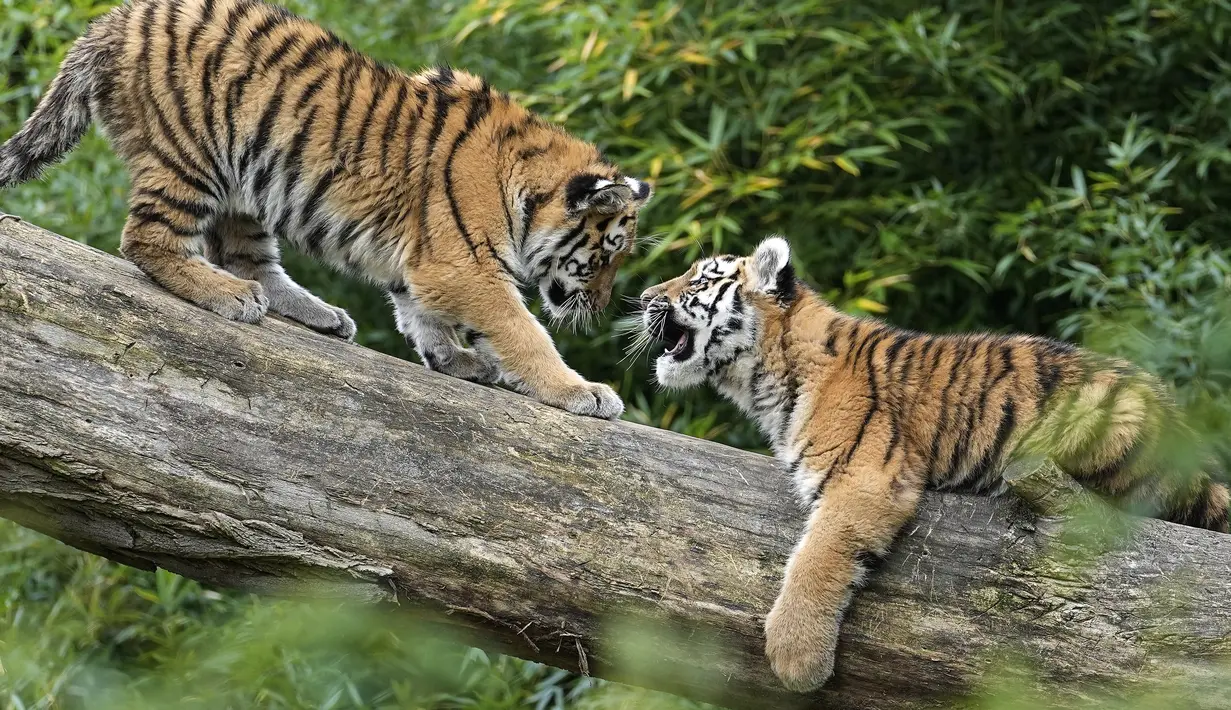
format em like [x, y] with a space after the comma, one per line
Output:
[712, 314]
[578, 233]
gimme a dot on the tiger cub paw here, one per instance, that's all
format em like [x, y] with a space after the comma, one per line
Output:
[239, 300]
[800, 639]
[590, 399]
[345, 328]
[465, 364]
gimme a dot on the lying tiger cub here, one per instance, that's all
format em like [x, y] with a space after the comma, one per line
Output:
[867, 415]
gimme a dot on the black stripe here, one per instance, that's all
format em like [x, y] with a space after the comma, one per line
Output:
[1048, 374]
[260, 187]
[480, 107]
[207, 14]
[176, 88]
[443, 103]
[253, 260]
[264, 129]
[314, 87]
[421, 98]
[234, 91]
[352, 70]
[873, 393]
[181, 173]
[1006, 360]
[832, 340]
[923, 354]
[261, 31]
[530, 207]
[208, 102]
[712, 309]
[891, 353]
[508, 217]
[213, 65]
[961, 353]
[504, 265]
[571, 239]
[313, 51]
[442, 78]
[203, 181]
[974, 415]
[380, 81]
[283, 48]
[391, 124]
[909, 365]
[346, 236]
[183, 164]
[256, 36]
[292, 167]
[192, 209]
[312, 242]
[891, 357]
[872, 336]
[146, 213]
[991, 457]
[312, 204]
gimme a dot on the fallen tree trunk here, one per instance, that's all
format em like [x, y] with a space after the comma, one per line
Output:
[269, 458]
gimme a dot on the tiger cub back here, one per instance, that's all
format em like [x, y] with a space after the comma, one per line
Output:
[242, 124]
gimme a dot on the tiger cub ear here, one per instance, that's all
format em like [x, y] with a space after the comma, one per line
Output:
[771, 269]
[591, 193]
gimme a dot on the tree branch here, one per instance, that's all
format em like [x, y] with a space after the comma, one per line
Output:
[269, 458]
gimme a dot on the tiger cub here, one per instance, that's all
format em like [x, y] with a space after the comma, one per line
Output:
[867, 415]
[242, 123]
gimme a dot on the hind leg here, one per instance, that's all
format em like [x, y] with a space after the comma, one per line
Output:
[241, 247]
[163, 235]
[436, 342]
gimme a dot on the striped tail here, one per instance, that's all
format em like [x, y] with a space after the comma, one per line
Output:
[1210, 509]
[63, 115]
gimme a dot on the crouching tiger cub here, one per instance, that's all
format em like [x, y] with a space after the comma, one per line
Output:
[868, 415]
[241, 123]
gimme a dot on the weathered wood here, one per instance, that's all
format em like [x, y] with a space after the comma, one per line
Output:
[273, 459]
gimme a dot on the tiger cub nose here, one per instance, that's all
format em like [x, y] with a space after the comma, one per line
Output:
[649, 295]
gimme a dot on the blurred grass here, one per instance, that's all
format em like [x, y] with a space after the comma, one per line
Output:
[1053, 167]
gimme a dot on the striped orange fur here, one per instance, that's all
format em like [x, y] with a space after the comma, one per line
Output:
[242, 123]
[868, 415]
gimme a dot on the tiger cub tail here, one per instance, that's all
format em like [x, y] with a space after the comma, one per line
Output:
[64, 114]
[1210, 508]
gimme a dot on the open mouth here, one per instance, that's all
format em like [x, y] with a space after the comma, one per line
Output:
[556, 294]
[678, 338]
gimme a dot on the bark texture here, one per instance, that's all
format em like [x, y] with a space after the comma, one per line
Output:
[269, 458]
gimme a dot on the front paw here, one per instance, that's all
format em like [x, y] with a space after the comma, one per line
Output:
[800, 639]
[589, 399]
[345, 328]
[238, 300]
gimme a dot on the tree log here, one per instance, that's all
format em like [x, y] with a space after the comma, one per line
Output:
[269, 458]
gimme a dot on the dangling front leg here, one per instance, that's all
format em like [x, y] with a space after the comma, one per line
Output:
[856, 518]
[528, 358]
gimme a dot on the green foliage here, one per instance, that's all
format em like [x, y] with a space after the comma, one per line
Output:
[1055, 167]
